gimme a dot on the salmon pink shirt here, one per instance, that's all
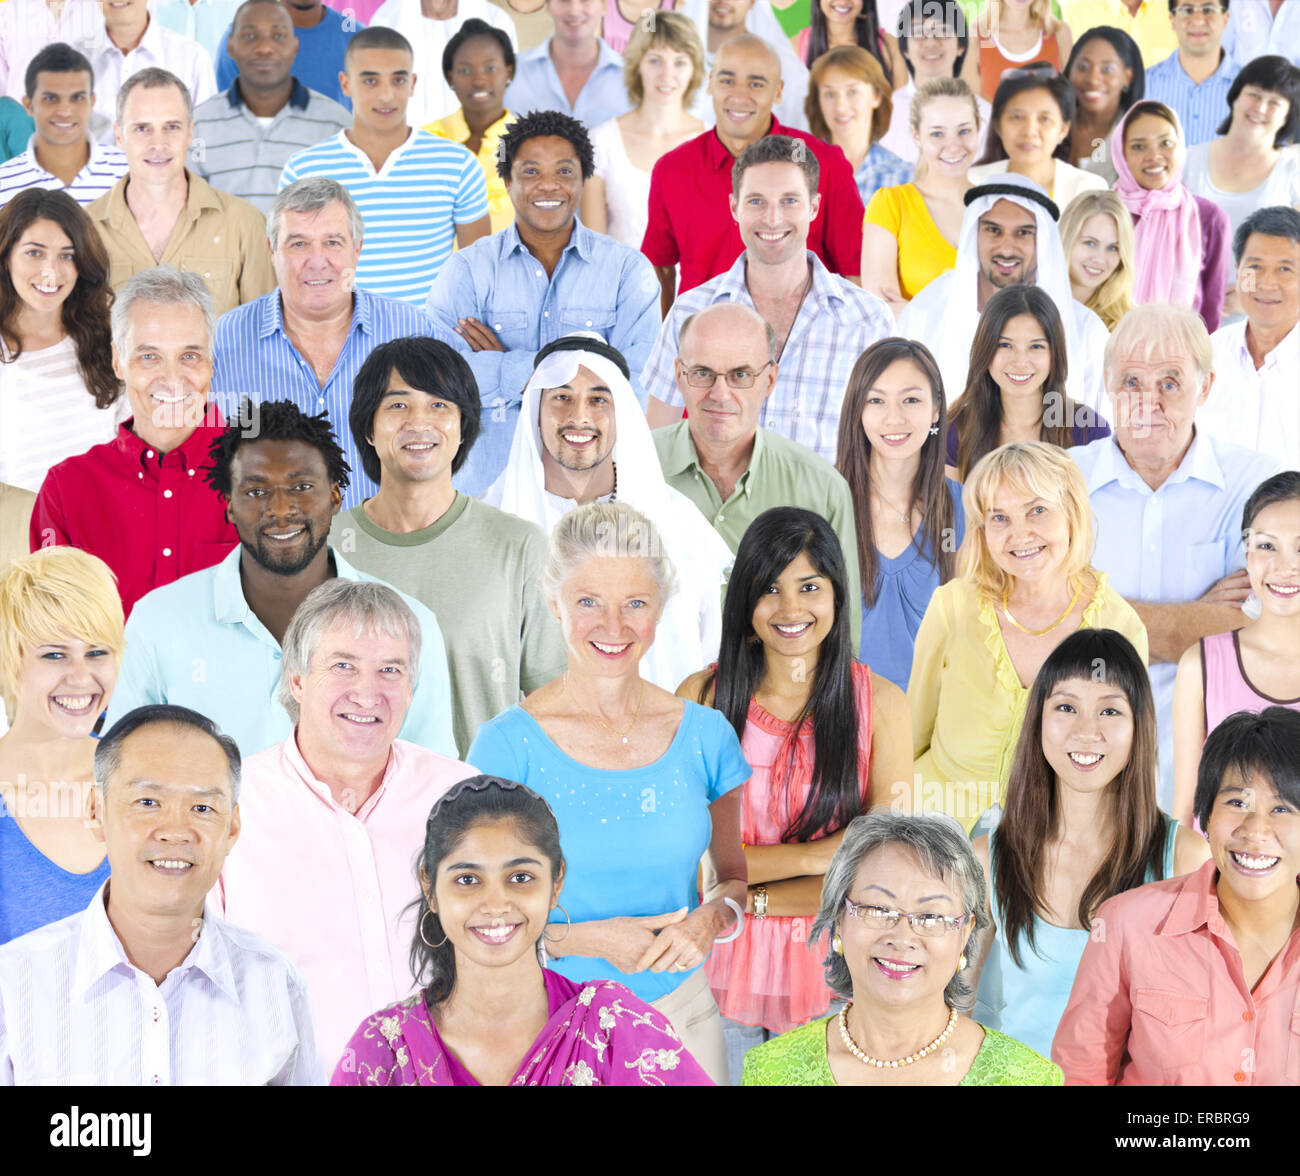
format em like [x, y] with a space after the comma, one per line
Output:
[1160, 998]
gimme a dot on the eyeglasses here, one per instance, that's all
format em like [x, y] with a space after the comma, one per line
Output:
[702, 377]
[931, 32]
[930, 926]
[1187, 11]
[1040, 69]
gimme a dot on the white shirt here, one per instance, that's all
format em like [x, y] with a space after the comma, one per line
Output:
[75, 1011]
[1258, 408]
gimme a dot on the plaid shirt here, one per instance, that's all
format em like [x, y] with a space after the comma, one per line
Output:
[835, 324]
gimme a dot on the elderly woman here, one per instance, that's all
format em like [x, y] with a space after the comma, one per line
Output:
[1026, 584]
[1196, 980]
[61, 643]
[643, 784]
[902, 897]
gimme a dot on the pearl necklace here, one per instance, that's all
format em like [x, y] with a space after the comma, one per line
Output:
[851, 1046]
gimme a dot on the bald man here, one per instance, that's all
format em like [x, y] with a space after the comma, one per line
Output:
[720, 458]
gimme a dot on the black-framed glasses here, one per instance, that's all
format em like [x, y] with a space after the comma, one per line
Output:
[702, 377]
[1040, 69]
[924, 923]
[1187, 11]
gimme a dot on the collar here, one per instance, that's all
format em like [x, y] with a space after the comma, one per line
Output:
[720, 158]
[270, 319]
[1195, 905]
[605, 56]
[293, 763]
[298, 96]
[116, 213]
[97, 153]
[824, 291]
[229, 605]
[679, 453]
[582, 240]
[1200, 463]
[192, 453]
[1287, 345]
[455, 127]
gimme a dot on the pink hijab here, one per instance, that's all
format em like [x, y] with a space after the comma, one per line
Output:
[1168, 235]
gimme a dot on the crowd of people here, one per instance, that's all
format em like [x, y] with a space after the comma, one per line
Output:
[764, 538]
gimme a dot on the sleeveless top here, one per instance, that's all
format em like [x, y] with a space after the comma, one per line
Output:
[34, 890]
[1224, 684]
[627, 187]
[1027, 1002]
[994, 60]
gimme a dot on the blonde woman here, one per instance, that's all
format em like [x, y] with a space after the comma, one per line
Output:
[1026, 584]
[1097, 235]
[61, 643]
[663, 70]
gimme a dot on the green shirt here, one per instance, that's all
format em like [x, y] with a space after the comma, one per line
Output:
[477, 568]
[781, 473]
[799, 1058]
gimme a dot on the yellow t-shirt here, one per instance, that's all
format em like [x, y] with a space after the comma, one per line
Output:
[923, 254]
[1151, 28]
[455, 128]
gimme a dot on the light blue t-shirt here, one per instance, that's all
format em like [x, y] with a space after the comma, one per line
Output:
[632, 839]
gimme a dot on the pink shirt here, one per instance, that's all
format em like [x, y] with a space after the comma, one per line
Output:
[328, 887]
[1160, 998]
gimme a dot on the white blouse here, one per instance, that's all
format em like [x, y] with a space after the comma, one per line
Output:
[627, 187]
[1282, 186]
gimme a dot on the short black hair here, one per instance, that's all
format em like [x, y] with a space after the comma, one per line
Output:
[1126, 49]
[1277, 220]
[274, 420]
[471, 29]
[426, 364]
[1174, 4]
[954, 17]
[1246, 744]
[376, 37]
[56, 57]
[108, 752]
[1283, 487]
[1277, 75]
[543, 124]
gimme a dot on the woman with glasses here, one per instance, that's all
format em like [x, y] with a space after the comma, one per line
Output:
[1106, 73]
[902, 897]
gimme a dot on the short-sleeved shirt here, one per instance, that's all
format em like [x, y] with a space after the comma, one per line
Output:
[320, 55]
[632, 839]
[411, 206]
[923, 252]
[455, 128]
[104, 167]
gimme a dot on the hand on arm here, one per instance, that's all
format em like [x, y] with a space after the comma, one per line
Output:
[1171, 628]
[478, 335]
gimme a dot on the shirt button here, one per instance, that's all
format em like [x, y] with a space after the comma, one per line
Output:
[190, 472]
[496, 326]
[1248, 1015]
[139, 475]
[546, 314]
[148, 453]
[540, 274]
[167, 493]
[1239, 1077]
[589, 322]
[206, 274]
[167, 551]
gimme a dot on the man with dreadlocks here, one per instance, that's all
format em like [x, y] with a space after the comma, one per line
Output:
[211, 641]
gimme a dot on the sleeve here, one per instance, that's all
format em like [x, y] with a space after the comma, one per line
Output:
[660, 244]
[203, 79]
[929, 657]
[657, 377]
[48, 527]
[1130, 625]
[1216, 262]
[542, 649]
[226, 71]
[839, 513]
[494, 753]
[885, 210]
[304, 1068]
[471, 202]
[636, 318]
[429, 721]
[139, 682]
[256, 275]
[370, 1059]
[841, 215]
[645, 1048]
[728, 767]
[290, 172]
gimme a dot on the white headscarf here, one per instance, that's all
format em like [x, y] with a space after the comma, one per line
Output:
[691, 626]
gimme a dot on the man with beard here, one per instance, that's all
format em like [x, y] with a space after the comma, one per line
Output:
[211, 641]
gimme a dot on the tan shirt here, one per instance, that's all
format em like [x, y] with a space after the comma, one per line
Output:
[218, 236]
[15, 516]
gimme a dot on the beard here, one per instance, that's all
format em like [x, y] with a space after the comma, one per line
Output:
[286, 563]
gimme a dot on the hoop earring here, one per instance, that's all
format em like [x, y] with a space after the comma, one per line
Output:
[425, 938]
[568, 923]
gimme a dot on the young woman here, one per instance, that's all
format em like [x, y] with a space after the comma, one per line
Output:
[1015, 390]
[826, 739]
[1097, 235]
[58, 392]
[910, 521]
[1080, 825]
[1020, 32]
[488, 1015]
[1258, 665]
[1106, 72]
[622, 18]
[850, 22]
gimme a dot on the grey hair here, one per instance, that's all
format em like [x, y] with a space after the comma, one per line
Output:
[945, 851]
[311, 195]
[366, 605]
[153, 78]
[161, 285]
[769, 333]
[108, 751]
[1145, 329]
[599, 530]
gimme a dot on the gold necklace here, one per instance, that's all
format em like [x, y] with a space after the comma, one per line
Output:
[1069, 608]
[617, 734]
[881, 1064]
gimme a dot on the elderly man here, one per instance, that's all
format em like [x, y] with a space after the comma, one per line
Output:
[1255, 401]
[307, 339]
[1194, 82]
[1008, 236]
[148, 986]
[160, 211]
[212, 639]
[1168, 497]
[721, 458]
[573, 70]
[541, 277]
[139, 502]
[822, 322]
[335, 895]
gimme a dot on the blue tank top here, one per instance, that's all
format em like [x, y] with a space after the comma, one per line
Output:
[33, 890]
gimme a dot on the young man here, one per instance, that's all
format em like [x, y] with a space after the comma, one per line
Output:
[573, 70]
[62, 153]
[323, 36]
[418, 193]
[1194, 82]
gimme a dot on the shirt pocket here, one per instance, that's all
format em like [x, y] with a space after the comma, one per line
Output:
[511, 327]
[218, 274]
[599, 320]
[1202, 566]
[1168, 1028]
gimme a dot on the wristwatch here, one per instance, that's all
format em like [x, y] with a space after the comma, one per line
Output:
[760, 902]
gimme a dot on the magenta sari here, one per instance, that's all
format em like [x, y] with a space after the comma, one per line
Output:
[599, 1034]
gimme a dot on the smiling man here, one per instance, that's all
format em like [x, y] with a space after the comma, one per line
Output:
[573, 70]
[212, 639]
[332, 896]
[1194, 82]
[148, 986]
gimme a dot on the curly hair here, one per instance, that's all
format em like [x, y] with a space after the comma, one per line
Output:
[85, 311]
[274, 420]
[543, 124]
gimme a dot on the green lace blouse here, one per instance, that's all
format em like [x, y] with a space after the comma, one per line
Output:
[798, 1058]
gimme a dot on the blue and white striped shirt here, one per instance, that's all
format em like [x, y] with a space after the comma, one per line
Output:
[103, 169]
[1200, 107]
[411, 206]
[254, 358]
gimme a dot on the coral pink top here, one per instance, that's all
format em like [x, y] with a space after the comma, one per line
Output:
[772, 975]
[1224, 684]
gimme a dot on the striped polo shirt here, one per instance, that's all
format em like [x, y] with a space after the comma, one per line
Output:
[103, 169]
[411, 207]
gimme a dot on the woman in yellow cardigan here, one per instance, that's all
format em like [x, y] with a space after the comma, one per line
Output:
[1026, 584]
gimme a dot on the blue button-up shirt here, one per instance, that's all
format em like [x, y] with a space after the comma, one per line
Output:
[197, 643]
[537, 87]
[599, 285]
[254, 358]
[1168, 546]
[1200, 107]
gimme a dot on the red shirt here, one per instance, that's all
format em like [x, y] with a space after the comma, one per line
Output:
[690, 210]
[151, 518]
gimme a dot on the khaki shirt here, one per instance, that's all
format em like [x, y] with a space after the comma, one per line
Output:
[218, 236]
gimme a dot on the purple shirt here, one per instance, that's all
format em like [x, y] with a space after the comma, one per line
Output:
[1216, 261]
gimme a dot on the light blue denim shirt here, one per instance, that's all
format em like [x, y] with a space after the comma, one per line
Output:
[537, 87]
[599, 285]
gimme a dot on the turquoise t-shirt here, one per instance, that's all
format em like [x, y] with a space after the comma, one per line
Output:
[632, 839]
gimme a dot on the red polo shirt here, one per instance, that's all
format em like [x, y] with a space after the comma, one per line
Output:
[151, 517]
[690, 210]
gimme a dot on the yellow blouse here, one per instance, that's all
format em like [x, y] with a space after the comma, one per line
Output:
[967, 701]
[923, 254]
[455, 128]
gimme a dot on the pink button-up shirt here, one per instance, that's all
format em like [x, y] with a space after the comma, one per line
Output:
[327, 886]
[1160, 998]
